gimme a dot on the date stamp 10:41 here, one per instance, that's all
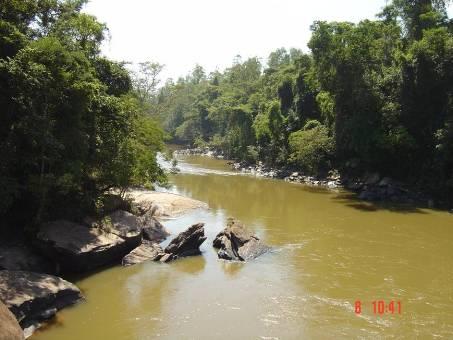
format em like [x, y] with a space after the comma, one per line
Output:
[378, 307]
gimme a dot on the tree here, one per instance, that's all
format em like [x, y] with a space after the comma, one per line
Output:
[311, 148]
[70, 126]
[147, 80]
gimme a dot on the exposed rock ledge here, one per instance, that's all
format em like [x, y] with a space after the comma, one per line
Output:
[164, 204]
[78, 247]
[33, 297]
[144, 252]
[185, 244]
[237, 243]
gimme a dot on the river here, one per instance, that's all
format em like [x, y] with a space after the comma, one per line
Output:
[329, 251]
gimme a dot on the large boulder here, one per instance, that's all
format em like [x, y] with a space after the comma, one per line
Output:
[152, 229]
[10, 329]
[127, 226]
[237, 243]
[144, 252]
[79, 248]
[33, 297]
[18, 256]
[186, 243]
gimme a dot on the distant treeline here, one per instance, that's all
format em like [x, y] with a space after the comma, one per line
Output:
[372, 96]
[71, 124]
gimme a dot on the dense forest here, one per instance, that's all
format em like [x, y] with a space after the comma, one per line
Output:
[72, 124]
[372, 96]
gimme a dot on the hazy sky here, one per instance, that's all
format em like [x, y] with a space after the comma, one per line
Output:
[181, 33]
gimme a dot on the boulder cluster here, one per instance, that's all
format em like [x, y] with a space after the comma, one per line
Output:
[126, 234]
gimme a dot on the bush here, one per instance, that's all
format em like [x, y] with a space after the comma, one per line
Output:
[311, 148]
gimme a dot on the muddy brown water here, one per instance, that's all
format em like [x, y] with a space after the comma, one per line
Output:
[329, 251]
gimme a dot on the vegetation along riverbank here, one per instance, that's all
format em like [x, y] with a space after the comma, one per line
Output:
[372, 97]
[369, 107]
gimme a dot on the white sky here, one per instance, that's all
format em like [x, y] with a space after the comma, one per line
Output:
[182, 33]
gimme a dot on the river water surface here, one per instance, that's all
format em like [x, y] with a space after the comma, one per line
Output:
[329, 250]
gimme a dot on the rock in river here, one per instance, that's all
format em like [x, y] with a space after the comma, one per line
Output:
[152, 229]
[186, 243]
[10, 329]
[33, 297]
[144, 252]
[237, 243]
[80, 248]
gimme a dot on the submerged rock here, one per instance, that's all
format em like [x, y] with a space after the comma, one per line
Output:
[33, 297]
[144, 252]
[186, 243]
[237, 243]
[10, 329]
[79, 248]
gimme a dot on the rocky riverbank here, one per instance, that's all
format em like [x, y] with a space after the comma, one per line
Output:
[368, 187]
[128, 232]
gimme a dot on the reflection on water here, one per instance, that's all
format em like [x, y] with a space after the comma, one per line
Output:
[329, 250]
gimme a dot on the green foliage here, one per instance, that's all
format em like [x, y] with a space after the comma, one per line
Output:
[311, 148]
[379, 91]
[70, 126]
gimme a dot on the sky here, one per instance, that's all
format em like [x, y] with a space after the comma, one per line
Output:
[182, 33]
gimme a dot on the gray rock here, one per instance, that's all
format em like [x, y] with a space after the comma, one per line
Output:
[127, 226]
[186, 243]
[79, 248]
[152, 229]
[10, 329]
[33, 297]
[21, 257]
[237, 243]
[144, 252]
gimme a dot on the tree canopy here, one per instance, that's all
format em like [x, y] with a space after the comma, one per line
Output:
[71, 124]
[380, 92]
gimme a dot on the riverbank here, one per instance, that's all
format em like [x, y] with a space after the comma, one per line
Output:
[370, 186]
[320, 239]
[30, 282]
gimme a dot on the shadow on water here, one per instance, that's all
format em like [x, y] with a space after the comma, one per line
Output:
[79, 276]
[350, 199]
